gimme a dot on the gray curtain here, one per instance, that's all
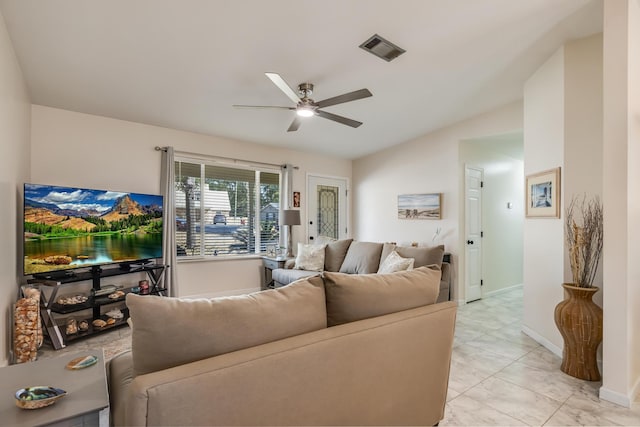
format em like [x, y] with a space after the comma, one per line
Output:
[167, 183]
[286, 198]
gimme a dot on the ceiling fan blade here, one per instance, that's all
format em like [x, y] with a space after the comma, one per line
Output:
[283, 86]
[295, 124]
[351, 96]
[263, 106]
[339, 119]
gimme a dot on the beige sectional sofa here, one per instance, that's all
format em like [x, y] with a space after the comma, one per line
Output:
[340, 349]
[353, 257]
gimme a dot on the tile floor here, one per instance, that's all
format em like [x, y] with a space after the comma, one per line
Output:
[113, 342]
[499, 376]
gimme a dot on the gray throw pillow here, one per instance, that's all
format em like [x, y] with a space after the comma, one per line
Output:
[334, 254]
[362, 258]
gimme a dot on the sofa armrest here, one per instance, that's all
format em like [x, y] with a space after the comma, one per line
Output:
[342, 375]
[445, 283]
[119, 377]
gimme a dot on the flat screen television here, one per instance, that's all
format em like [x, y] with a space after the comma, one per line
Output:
[66, 228]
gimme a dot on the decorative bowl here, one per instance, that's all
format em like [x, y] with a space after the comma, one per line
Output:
[38, 396]
[82, 362]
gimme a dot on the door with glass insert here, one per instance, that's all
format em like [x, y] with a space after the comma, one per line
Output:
[327, 209]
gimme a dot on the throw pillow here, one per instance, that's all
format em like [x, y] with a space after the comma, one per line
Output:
[334, 254]
[356, 297]
[169, 332]
[423, 255]
[395, 262]
[362, 258]
[310, 257]
[324, 240]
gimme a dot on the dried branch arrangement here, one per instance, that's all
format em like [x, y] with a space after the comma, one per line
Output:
[584, 240]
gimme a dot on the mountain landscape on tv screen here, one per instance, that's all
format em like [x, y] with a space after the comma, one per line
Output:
[70, 227]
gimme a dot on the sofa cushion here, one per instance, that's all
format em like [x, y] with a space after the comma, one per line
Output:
[394, 262]
[357, 297]
[334, 254]
[171, 331]
[310, 257]
[423, 255]
[284, 276]
[362, 258]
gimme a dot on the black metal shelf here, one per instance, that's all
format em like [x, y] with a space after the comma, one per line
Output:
[71, 308]
[50, 308]
[93, 330]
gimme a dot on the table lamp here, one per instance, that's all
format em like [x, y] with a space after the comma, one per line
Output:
[290, 217]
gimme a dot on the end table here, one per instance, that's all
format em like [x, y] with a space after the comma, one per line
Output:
[86, 389]
[269, 264]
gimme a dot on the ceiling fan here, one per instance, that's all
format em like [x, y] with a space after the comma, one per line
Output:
[307, 107]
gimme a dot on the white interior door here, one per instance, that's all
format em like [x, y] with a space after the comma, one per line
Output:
[473, 233]
[327, 207]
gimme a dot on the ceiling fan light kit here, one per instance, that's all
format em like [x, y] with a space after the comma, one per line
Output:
[304, 111]
[307, 107]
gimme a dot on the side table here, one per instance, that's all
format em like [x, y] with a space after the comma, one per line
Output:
[86, 389]
[269, 264]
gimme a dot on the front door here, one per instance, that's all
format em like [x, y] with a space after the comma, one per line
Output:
[473, 233]
[327, 208]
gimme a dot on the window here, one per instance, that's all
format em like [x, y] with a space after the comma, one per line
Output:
[224, 210]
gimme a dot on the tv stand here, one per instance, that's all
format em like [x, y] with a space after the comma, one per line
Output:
[126, 266]
[56, 275]
[49, 308]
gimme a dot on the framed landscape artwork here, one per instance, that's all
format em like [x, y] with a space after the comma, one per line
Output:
[542, 194]
[420, 206]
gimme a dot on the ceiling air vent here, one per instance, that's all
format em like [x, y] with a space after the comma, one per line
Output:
[382, 48]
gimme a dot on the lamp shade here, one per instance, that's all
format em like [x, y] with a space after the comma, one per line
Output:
[290, 217]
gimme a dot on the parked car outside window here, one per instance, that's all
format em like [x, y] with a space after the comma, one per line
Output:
[220, 219]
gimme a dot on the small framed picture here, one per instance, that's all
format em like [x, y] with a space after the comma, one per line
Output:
[296, 199]
[420, 206]
[271, 250]
[542, 192]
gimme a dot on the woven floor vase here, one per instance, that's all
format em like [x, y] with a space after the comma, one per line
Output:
[579, 320]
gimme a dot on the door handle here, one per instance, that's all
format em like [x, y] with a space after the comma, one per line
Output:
[310, 237]
[469, 242]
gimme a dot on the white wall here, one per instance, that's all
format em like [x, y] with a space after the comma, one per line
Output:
[15, 110]
[502, 245]
[76, 149]
[633, 300]
[563, 127]
[582, 169]
[621, 189]
[543, 237]
[428, 164]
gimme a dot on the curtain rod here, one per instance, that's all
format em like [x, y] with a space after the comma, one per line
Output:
[228, 159]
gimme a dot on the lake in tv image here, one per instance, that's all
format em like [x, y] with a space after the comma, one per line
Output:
[66, 228]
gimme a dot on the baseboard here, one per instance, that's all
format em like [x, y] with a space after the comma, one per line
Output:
[228, 293]
[635, 393]
[542, 341]
[502, 291]
[615, 397]
[493, 293]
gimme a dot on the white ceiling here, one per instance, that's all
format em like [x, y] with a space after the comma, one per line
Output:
[183, 63]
